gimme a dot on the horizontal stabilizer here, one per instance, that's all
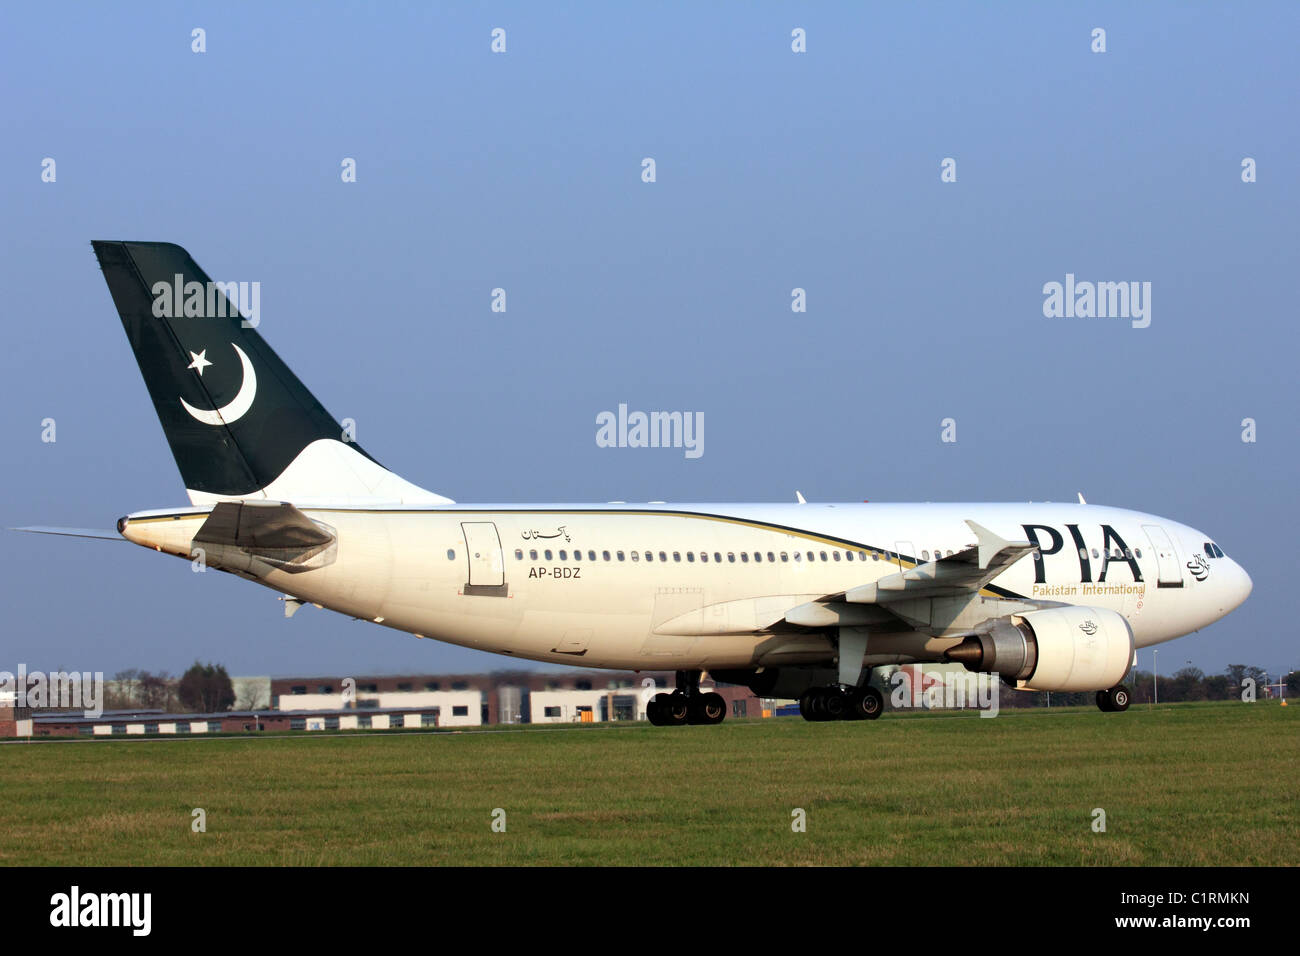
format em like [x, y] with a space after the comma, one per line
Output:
[74, 532]
[258, 536]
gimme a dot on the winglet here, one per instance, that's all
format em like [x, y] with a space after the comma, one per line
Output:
[990, 544]
[800, 498]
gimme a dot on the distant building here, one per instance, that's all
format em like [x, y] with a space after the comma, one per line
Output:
[140, 723]
[15, 721]
[504, 697]
[390, 702]
[457, 708]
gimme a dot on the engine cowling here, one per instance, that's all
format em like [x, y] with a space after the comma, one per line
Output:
[1059, 648]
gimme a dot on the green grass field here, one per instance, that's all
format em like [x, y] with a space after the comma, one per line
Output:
[1188, 784]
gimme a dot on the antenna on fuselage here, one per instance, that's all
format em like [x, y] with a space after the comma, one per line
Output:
[799, 498]
[1081, 501]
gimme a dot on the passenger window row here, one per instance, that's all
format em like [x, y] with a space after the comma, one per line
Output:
[704, 557]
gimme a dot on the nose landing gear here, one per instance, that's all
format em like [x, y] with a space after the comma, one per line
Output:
[1115, 700]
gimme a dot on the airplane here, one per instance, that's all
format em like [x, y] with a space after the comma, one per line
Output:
[799, 600]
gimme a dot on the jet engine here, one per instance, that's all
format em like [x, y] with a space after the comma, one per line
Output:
[1059, 648]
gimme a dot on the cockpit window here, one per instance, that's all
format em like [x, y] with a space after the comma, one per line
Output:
[1213, 550]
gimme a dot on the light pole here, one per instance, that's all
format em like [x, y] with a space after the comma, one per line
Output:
[1155, 674]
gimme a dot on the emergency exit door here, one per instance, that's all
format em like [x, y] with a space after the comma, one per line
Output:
[487, 566]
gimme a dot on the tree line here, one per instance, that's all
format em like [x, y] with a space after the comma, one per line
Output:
[203, 688]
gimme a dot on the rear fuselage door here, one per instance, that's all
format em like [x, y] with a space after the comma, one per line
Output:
[487, 567]
[1171, 572]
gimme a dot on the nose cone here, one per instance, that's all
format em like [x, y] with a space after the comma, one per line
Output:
[1236, 587]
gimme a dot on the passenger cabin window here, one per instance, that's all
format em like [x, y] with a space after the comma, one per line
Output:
[451, 554]
[620, 555]
[823, 555]
[704, 556]
[744, 557]
[606, 555]
[547, 553]
[636, 555]
[690, 556]
[798, 556]
[731, 556]
[591, 556]
[564, 555]
[663, 556]
[771, 556]
[532, 554]
[649, 555]
[758, 556]
[677, 556]
[785, 556]
[717, 556]
[836, 555]
[519, 554]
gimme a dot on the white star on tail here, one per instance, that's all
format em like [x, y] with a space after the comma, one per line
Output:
[200, 362]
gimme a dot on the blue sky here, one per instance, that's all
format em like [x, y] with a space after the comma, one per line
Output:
[775, 170]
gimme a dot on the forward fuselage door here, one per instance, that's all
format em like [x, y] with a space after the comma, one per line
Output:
[487, 566]
[1171, 572]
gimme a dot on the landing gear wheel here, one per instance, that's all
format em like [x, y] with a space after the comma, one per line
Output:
[652, 713]
[670, 708]
[835, 704]
[866, 704]
[706, 709]
[806, 701]
[1119, 698]
[1103, 701]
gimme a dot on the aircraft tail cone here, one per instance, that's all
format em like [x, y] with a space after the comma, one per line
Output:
[969, 653]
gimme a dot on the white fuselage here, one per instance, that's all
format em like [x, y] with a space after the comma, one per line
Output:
[708, 586]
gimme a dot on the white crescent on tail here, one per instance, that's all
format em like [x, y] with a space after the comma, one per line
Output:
[241, 403]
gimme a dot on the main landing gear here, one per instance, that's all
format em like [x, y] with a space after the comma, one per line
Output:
[841, 703]
[852, 698]
[686, 705]
[1115, 700]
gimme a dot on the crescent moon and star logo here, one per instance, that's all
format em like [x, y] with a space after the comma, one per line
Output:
[237, 407]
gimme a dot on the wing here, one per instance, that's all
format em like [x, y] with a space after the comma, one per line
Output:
[966, 571]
